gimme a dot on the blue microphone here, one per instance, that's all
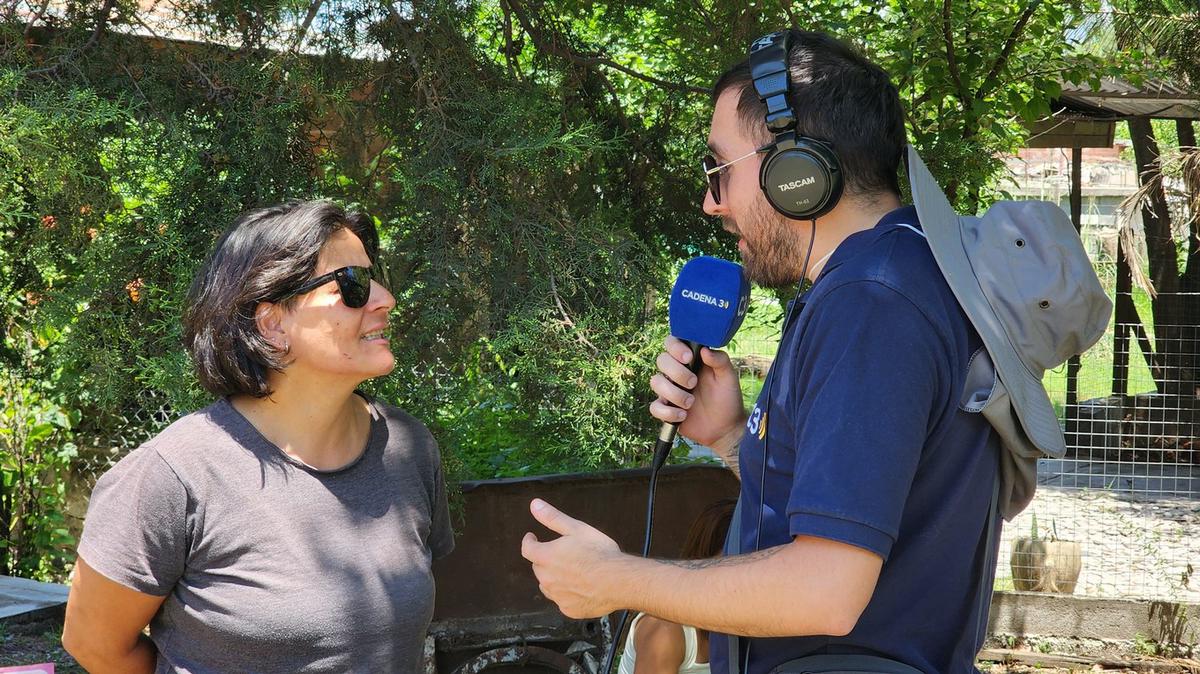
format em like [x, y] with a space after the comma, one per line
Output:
[707, 306]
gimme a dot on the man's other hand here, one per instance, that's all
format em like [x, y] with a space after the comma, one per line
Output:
[571, 570]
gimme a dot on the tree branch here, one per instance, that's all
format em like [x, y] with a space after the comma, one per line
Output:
[410, 48]
[102, 19]
[308, 19]
[791, 15]
[509, 48]
[563, 51]
[566, 318]
[705, 15]
[37, 16]
[951, 61]
[605, 61]
[1010, 43]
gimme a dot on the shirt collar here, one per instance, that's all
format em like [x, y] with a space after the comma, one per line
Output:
[851, 245]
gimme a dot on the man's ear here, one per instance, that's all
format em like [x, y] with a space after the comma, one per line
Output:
[268, 318]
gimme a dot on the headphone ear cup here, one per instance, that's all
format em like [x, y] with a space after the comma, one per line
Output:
[801, 180]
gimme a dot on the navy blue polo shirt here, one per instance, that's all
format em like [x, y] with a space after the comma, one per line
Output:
[866, 443]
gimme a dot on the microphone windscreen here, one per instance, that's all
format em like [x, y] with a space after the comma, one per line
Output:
[709, 301]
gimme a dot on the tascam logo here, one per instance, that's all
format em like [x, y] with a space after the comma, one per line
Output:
[706, 299]
[797, 183]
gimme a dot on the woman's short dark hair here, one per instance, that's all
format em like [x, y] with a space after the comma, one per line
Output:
[840, 97]
[262, 257]
[706, 535]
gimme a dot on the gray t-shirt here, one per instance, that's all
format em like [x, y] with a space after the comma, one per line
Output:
[269, 565]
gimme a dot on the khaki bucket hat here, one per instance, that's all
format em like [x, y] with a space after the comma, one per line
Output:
[1022, 276]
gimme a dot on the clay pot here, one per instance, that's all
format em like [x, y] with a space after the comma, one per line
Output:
[1045, 566]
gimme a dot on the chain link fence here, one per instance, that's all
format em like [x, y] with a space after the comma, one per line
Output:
[101, 446]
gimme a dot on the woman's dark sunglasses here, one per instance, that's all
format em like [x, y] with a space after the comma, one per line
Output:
[354, 283]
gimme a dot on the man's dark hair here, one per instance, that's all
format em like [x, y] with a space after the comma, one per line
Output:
[262, 257]
[839, 97]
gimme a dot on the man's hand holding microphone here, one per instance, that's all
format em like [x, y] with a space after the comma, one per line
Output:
[708, 406]
[583, 571]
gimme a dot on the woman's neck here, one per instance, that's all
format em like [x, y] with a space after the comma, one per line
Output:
[319, 426]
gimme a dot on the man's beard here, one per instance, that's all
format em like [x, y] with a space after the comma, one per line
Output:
[775, 254]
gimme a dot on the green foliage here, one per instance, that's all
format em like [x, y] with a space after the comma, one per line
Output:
[35, 454]
[974, 75]
[526, 298]
[532, 168]
[1142, 645]
[1166, 28]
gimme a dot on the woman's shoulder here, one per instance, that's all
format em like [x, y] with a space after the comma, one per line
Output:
[405, 432]
[393, 414]
[399, 418]
[176, 446]
[209, 425]
[659, 641]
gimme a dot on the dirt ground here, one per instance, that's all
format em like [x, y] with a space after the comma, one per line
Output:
[34, 643]
[38, 642]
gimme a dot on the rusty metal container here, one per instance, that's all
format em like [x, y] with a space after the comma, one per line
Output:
[489, 615]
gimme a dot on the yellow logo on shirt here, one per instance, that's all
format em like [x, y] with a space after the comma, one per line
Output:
[757, 423]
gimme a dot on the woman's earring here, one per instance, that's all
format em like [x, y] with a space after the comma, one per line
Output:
[287, 347]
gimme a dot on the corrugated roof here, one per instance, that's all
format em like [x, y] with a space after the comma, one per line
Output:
[1119, 99]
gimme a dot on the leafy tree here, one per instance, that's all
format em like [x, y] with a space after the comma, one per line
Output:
[532, 165]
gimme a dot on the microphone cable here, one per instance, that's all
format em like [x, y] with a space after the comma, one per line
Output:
[762, 476]
[666, 440]
[787, 320]
[662, 450]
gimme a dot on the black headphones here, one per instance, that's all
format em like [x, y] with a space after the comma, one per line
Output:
[801, 176]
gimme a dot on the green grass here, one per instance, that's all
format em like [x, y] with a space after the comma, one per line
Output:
[1095, 366]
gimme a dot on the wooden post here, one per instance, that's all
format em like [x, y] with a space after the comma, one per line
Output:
[1120, 377]
[1077, 218]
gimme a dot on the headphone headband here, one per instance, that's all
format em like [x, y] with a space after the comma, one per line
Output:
[768, 69]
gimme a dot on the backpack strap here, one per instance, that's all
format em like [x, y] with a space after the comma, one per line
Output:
[985, 589]
[733, 546]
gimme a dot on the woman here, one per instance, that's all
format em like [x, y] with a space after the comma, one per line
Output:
[657, 646]
[290, 525]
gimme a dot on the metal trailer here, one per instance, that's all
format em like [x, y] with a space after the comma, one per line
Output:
[489, 615]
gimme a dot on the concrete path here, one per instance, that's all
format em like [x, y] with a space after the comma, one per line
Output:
[19, 596]
[1141, 478]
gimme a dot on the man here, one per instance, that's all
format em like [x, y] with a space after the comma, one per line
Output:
[867, 486]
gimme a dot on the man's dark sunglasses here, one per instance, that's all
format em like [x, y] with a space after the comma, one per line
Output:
[354, 283]
[713, 171]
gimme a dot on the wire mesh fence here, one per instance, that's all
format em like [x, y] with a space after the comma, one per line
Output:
[102, 445]
[1122, 508]
[1128, 490]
